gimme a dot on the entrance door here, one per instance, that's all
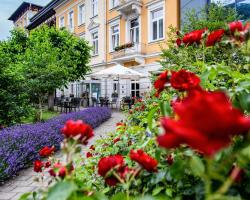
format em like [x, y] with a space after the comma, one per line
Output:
[96, 90]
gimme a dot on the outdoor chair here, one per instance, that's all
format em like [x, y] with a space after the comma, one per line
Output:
[75, 103]
[58, 103]
[94, 101]
[114, 101]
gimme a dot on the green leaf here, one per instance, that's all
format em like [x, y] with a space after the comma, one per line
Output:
[157, 190]
[169, 192]
[25, 196]
[151, 118]
[61, 191]
[165, 108]
[119, 196]
[197, 166]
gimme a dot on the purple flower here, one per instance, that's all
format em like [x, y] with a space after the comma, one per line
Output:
[20, 144]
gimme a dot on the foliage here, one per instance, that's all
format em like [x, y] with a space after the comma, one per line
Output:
[213, 16]
[206, 140]
[14, 99]
[33, 67]
[19, 145]
[52, 59]
[46, 116]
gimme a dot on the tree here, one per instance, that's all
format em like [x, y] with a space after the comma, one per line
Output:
[213, 16]
[14, 102]
[52, 59]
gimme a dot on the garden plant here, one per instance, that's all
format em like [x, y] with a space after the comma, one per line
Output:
[188, 139]
[19, 144]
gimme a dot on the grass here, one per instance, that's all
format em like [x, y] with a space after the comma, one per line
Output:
[45, 116]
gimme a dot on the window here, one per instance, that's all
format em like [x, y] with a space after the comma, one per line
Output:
[61, 24]
[71, 21]
[156, 24]
[95, 43]
[115, 36]
[94, 7]
[81, 17]
[134, 31]
[114, 3]
[135, 89]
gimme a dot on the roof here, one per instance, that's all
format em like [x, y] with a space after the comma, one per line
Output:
[21, 8]
[45, 13]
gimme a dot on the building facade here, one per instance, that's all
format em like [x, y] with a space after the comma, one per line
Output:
[126, 32]
[21, 17]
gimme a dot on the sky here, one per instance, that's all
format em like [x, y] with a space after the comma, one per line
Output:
[7, 7]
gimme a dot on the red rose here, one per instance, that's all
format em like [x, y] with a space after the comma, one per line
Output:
[161, 81]
[52, 173]
[92, 147]
[170, 159]
[120, 124]
[214, 37]
[116, 140]
[178, 42]
[235, 26]
[72, 129]
[147, 162]
[184, 80]
[62, 172]
[46, 151]
[115, 162]
[89, 155]
[206, 122]
[38, 165]
[47, 164]
[193, 37]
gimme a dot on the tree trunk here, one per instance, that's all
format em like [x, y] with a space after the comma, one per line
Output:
[51, 97]
[39, 111]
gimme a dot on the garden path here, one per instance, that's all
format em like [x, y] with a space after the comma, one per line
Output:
[13, 189]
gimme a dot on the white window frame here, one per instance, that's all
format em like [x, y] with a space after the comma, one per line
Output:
[151, 9]
[111, 47]
[127, 39]
[95, 42]
[129, 29]
[81, 14]
[135, 90]
[113, 4]
[94, 7]
[71, 28]
[61, 25]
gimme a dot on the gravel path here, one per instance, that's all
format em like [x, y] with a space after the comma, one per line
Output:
[13, 189]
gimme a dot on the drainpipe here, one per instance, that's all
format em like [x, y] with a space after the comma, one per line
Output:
[105, 32]
[179, 14]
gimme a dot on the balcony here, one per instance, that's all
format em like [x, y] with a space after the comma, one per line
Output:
[128, 7]
[130, 52]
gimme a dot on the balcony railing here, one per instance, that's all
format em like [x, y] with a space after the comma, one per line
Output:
[130, 49]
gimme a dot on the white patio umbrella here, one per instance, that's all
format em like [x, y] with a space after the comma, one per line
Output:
[120, 72]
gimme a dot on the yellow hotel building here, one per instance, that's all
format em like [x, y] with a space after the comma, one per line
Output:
[126, 32]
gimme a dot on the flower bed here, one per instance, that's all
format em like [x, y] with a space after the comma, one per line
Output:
[19, 145]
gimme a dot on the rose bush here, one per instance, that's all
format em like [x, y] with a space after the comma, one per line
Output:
[188, 139]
